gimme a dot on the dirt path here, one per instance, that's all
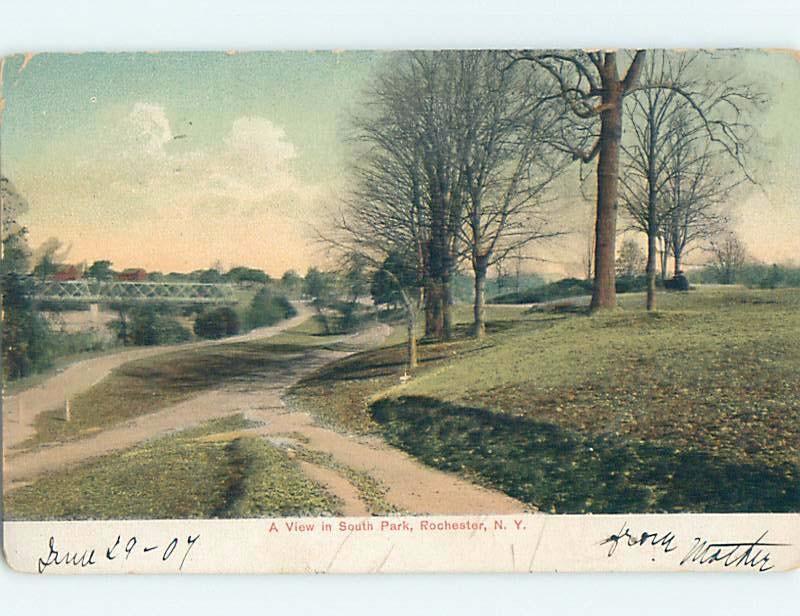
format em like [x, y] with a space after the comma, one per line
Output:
[20, 410]
[411, 486]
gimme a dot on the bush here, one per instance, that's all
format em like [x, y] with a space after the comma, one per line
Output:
[27, 337]
[148, 327]
[571, 287]
[217, 323]
[634, 284]
[72, 343]
[266, 308]
[567, 287]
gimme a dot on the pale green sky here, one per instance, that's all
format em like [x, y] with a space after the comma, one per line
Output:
[172, 161]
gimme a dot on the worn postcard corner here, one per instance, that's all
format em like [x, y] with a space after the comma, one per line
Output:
[440, 311]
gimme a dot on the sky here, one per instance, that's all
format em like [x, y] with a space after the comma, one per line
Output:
[177, 161]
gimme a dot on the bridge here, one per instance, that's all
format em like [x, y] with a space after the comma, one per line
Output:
[114, 291]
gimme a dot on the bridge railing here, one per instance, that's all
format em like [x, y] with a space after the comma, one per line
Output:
[105, 291]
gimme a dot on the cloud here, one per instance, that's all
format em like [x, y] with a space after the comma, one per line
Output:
[250, 166]
[139, 195]
[253, 136]
[148, 129]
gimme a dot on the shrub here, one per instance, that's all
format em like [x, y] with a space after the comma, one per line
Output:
[217, 323]
[27, 337]
[567, 287]
[266, 308]
[148, 327]
[570, 287]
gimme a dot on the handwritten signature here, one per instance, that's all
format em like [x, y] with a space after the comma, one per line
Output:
[119, 549]
[753, 554]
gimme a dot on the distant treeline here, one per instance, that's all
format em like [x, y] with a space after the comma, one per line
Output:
[753, 275]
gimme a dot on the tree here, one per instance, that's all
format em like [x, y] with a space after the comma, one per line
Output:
[355, 278]
[292, 283]
[675, 170]
[509, 122]
[631, 259]
[48, 257]
[593, 89]
[211, 275]
[410, 178]
[15, 251]
[26, 334]
[100, 270]
[149, 326]
[645, 170]
[700, 180]
[320, 287]
[730, 255]
[397, 281]
[452, 169]
[247, 274]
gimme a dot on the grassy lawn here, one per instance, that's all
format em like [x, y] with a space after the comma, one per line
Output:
[693, 408]
[151, 384]
[206, 472]
[339, 394]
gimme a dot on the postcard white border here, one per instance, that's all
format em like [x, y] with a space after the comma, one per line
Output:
[524, 543]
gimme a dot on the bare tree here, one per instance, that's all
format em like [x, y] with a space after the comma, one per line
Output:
[645, 155]
[730, 255]
[701, 179]
[675, 170]
[593, 89]
[413, 131]
[456, 158]
[508, 163]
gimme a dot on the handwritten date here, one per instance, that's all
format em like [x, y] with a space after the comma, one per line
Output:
[120, 548]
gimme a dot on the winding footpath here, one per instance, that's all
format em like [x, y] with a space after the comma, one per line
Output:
[410, 486]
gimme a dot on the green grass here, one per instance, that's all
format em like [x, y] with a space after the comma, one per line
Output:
[339, 393]
[192, 474]
[693, 408]
[151, 384]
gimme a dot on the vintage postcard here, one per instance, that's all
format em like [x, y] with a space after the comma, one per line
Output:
[413, 311]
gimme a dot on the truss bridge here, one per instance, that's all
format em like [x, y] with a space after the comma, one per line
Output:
[114, 291]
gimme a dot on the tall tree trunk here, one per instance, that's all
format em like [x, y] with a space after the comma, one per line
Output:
[651, 271]
[447, 309]
[434, 310]
[604, 295]
[664, 258]
[652, 214]
[677, 263]
[411, 334]
[428, 304]
[479, 306]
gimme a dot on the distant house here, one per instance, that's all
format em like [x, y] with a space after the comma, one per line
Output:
[67, 272]
[132, 274]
